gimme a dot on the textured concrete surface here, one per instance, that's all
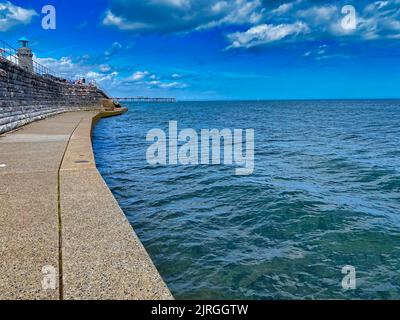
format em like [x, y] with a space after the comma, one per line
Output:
[82, 226]
[29, 232]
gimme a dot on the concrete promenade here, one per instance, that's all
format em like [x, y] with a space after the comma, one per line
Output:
[56, 213]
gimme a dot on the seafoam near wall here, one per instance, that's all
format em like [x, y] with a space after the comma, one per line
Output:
[26, 97]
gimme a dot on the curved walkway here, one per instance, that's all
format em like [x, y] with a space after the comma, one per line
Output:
[62, 233]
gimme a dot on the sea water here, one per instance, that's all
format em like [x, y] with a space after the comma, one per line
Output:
[324, 194]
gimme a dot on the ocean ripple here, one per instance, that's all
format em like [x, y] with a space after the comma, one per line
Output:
[324, 194]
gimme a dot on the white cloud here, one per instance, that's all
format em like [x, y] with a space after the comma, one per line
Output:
[147, 79]
[166, 85]
[265, 21]
[169, 16]
[283, 8]
[377, 20]
[122, 23]
[172, 85]
[107, 77]
[380, 19]
[105, 68]
[138, 75]
[318, 14]
[266, 33]
[12, 15]
[63, 66]
[113, 50]
[93, 75]
[66, 68]
[376, 6]
[323, 52]
[243, 12]
[176, 76]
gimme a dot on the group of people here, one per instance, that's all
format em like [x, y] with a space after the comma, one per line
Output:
[82, 81]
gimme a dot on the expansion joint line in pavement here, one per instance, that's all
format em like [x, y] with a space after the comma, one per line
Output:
[60, 256]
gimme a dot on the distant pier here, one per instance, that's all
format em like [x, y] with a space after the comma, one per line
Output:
[144, 99]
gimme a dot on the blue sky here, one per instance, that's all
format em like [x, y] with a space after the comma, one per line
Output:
[216, 49]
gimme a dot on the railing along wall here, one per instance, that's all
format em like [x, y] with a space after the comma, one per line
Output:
[9, 53]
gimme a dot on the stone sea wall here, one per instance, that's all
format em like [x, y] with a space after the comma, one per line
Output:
[26, 97]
